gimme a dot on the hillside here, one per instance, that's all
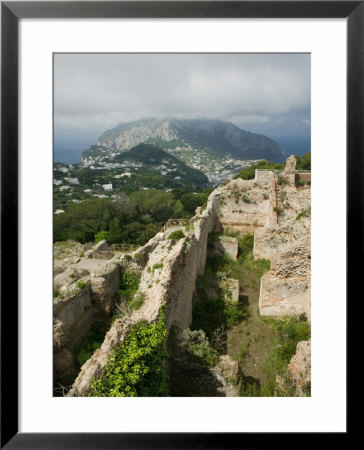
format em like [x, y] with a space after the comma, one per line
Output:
[143, 167]
[214, 147]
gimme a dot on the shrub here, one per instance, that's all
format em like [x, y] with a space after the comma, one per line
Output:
[137, 255]
[197, 345]
[101, 236]
[307, 389]
[157, 266]
[127, 257]
[136, 367]
[303, 213]
[137, 301]
[176, 235]
[129, 284]
[57, 293]
[81, 284]
[246, 199]
[282, 180]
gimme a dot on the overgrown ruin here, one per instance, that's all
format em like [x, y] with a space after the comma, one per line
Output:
[275, 206]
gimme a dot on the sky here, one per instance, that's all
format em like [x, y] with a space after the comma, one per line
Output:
[263, 93]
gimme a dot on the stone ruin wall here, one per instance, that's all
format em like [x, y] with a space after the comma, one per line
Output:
[174, 290]
[186, 260]
[235, 213]
[75, 313]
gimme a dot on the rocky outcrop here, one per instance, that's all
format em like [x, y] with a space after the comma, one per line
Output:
[104, 287]
[299, 368]
[100, 251]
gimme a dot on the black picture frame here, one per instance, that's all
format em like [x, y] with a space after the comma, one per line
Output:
[11, 12]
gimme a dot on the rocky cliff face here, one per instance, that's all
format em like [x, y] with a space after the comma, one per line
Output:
[221, 138]
[126, 136]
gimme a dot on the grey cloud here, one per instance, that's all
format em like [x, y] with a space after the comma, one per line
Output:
[99, 91]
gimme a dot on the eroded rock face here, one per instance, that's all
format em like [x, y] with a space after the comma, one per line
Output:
[104, 287]
[229, 367]
[290, 165]
[243, 205]
[299, 367]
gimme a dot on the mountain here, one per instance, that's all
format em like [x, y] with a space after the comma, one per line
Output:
[217, 138]
[144, 166]
[216, 148]
[154, 158]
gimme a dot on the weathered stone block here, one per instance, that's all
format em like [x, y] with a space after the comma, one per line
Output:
[227, 245]
[104, 287]
[233, 287]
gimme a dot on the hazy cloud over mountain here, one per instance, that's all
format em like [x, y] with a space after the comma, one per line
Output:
[266, 93]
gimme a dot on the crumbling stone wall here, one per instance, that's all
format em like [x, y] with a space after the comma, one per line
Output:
[169, 270]
[73, 318]
[243, 205]
[299, 368]
[80, 303]
[171, 286]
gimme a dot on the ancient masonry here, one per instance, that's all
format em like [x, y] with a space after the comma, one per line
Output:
[273, 206]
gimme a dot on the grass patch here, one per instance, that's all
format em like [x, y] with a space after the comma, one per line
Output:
[81, 285]
[57, 293]
[157, 266]
[176, 235]
[290, 331]
[304, 213]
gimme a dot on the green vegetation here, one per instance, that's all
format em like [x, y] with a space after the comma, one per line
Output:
[81, 284]
[129, 284]
[132, 219]
[246, 199]
[136, 367]
[304, 182]
[176, 235]
[92, 343]
[303, 162]
[282, 180]
[290, 331]
[303, 213]
[157, 266]
[249, 172]
[126, 299]
[198, 347]
[283, 334]
[101, 236]
[57, 293]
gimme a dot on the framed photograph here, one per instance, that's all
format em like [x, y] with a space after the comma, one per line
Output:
[156, 178]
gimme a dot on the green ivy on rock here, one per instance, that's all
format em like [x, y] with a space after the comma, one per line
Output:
[137, 367]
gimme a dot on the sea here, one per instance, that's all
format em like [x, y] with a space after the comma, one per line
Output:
[67, 155]
[297, 145]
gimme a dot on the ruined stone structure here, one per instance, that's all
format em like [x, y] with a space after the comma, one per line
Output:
[271, 206]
